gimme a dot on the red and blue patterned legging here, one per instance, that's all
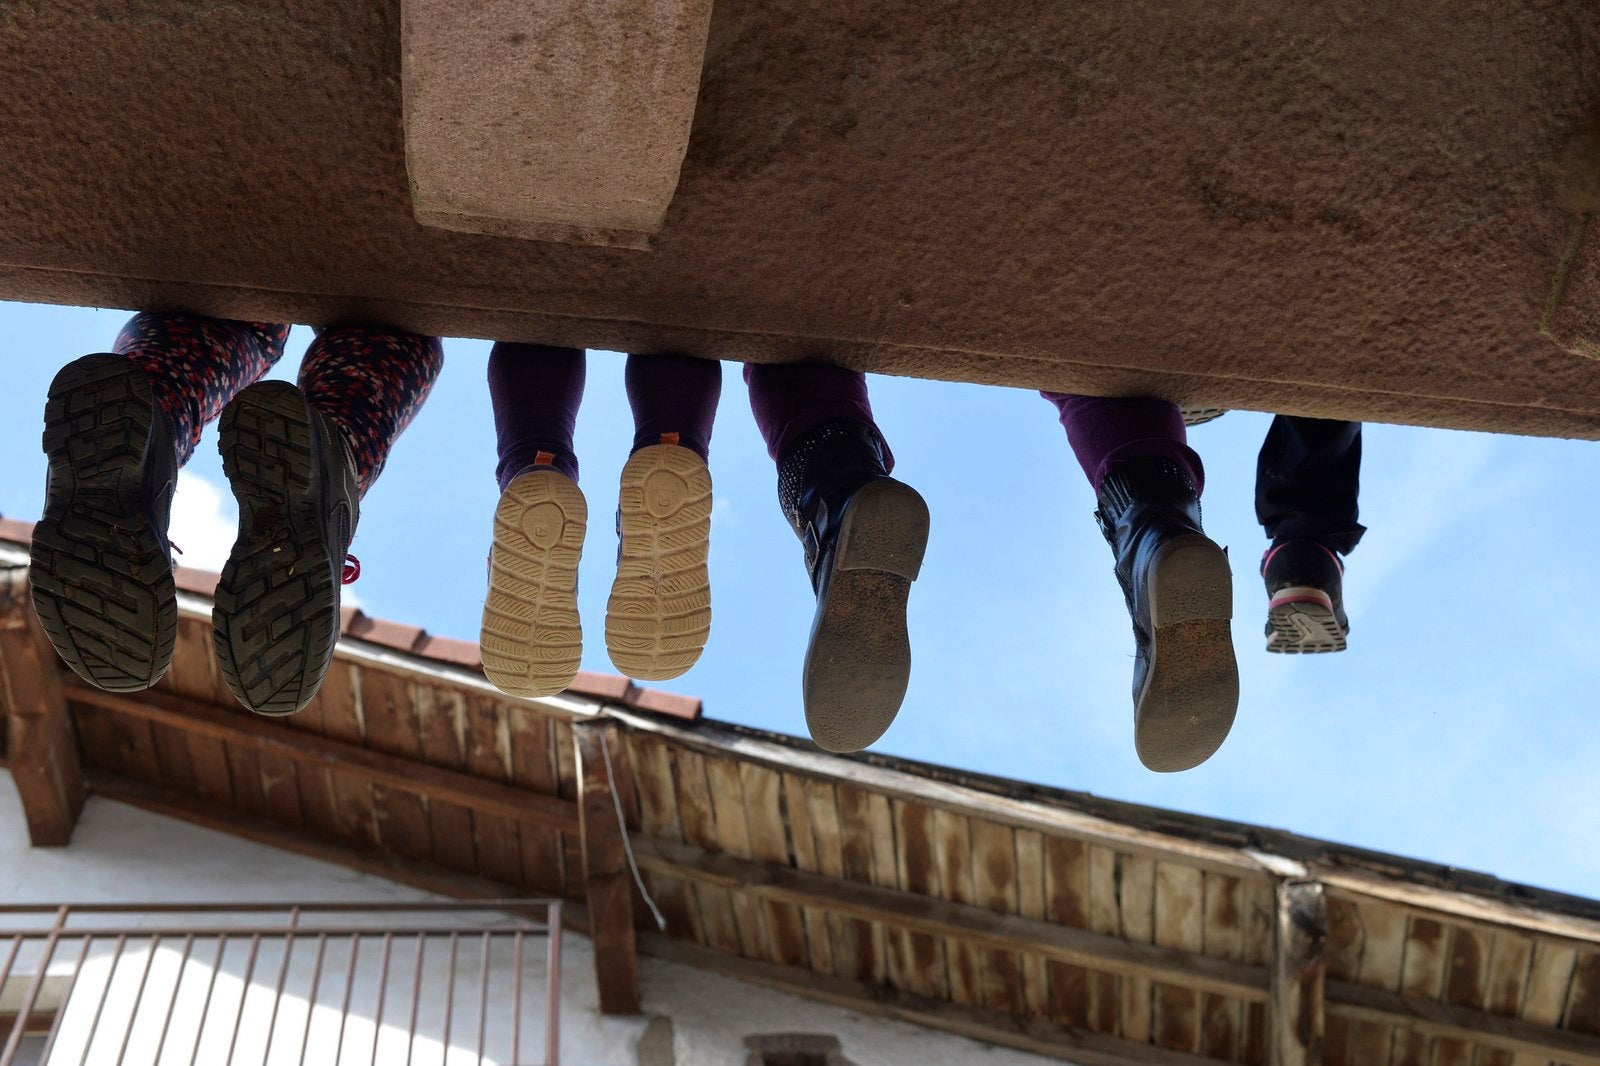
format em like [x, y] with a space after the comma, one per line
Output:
[370, 382]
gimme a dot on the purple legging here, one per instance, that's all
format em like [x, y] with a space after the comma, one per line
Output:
[536, 391]
[1103, 431]
[789, 400]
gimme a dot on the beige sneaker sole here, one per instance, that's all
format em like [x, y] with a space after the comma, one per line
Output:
[659, 614]
[531, 639]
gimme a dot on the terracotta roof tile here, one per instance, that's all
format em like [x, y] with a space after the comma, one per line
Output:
[669, 703]
[602, 686]
[414, 640]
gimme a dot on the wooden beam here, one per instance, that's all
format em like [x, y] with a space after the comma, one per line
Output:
[339, 852]
[1535, 1042]
[1295, 1017]
[374, 767]
[42, 747]
[968, 924]
[1038, 1036]
[607, 881]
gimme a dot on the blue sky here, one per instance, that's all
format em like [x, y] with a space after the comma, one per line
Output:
[1462, 726]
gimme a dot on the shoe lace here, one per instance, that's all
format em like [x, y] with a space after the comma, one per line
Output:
[352, 570]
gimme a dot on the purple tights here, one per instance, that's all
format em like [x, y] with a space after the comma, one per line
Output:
[536, 391]
[1103, 431]
[789, 400]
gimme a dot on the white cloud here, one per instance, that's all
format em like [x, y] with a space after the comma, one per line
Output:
[205, 521]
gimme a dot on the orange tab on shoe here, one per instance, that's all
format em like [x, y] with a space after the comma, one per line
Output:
[544, 459]
[669, 438]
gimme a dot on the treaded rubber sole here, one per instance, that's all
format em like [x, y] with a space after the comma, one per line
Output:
[1191, 692]
[1301, 621]
[858, 663]
[531, 638]
[276, 618]
[659, 613]
[100, 572]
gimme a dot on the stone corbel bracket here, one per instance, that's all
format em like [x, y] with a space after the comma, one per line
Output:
[562, 120]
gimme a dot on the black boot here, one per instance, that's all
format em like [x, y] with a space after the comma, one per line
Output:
[100, 563]
[1180, 597]
[1305, 598]
[276, 618]
[864, 535]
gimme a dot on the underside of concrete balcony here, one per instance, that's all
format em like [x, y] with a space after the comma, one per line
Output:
[1371, 210]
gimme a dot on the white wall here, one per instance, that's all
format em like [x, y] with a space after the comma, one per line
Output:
[122, 854]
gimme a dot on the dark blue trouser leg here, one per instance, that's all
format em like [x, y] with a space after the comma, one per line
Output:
[1308, 478]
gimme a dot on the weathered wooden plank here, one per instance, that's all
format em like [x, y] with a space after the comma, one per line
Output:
[1259, 903]
[544, 856]
[566, 788]
[1435, 1020]
[857, 859]
[1509, 959]
[339, 756]
[952, 856]
[995, 886]
[387, 706]
[698, 819]
[1223, 937]
[339, 713]
[496, 840]
[1299, 975]
[769, 842]
[1067, 903]
[850, 941]
[1037, 1036]
[1421, 974]
[915, 861]
[733, 836]
[1466, 979]
[1031, 904]
[1105, 916]
[244, 769]
[1137, 905]
[1179, 923]
[608, 883]
[942, 919]
[658, 816]
[1583, 1004]
[819, 944]
[441, 718]
[41, 746]
[1382, 943]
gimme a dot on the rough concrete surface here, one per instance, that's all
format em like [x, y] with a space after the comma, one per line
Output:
[564, 119]
[1364, 209]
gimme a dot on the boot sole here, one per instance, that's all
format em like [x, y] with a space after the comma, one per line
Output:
[531, 638]
[1191, 693]
[276, 618]
[858, 663]
[659, 613]
[100, 573]
[1303, 623]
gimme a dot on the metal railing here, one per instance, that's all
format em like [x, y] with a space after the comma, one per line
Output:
[302, 984]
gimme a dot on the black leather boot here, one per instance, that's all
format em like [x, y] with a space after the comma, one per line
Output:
[276, 618]
[1180, 596]
[100, 562]
[864, 535]
[1305, 598]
